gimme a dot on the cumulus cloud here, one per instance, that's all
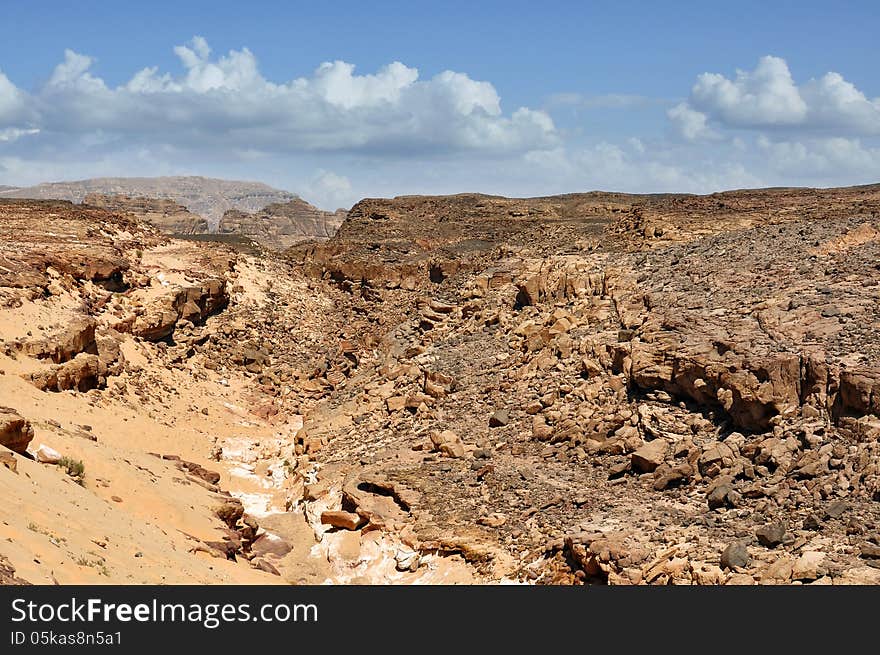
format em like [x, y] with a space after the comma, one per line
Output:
[764, 96]
[329, 190]
[690, 124]
[338, 133]
[13, 103]
[835, 103]
[834, 160]
[226, 102]
[608, 166]
[769, 98]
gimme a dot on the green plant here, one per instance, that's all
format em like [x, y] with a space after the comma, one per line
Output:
[95, 564]
[74, 467]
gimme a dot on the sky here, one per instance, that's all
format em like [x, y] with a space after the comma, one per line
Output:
[344, 100]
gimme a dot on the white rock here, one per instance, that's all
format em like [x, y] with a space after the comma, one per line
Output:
[47, 455]
[407, 560]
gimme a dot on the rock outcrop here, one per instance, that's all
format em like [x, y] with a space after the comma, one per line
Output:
[281, 225]
[204, 196]
[15, 432]
[167, 215]
[193, 304]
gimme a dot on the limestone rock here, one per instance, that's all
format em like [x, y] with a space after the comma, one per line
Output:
[16, 432]
[342, 520]
[649, 456]
[47, 455]
[448, 443]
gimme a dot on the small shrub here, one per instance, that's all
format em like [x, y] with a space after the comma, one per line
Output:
[74, 467]
[96, 564]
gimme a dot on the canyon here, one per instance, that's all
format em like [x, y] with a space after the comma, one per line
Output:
[595, 388]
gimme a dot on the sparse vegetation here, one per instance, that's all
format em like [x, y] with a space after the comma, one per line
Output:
[95, 564]
[74, 467]
[53, 538]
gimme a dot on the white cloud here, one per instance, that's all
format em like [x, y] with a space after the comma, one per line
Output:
[10, 134]
[636, 144]
[765, 96]
[836, 103]
[74, 72]
[329, 190]
[690, 124]
[607, 166]
[835, 160]
[13, 103]
[225, 102]
[769, 98]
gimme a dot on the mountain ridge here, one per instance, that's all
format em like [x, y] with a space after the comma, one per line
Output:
[208, 197]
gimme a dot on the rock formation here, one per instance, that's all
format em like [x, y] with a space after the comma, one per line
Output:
[281, 225]
[203, 196]
[584, 389]
[167, 215]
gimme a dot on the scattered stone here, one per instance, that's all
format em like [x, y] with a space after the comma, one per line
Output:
[264, 565]
[836, 509]
[648, 457]
[718, 496]
[809, 566]
[735, 556]
[342, 520]
[771, 534]
[407, 560]
[448, 443]
[870, 551]
[493, 520]
[499, 418]
[812, 522]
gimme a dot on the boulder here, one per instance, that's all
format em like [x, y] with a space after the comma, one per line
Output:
[16, 432]
[771, 534]
[47, 455]
[499, 418]
[809, 566]
[342, 520]
[735, 556]
[448, 443]
[649, 456]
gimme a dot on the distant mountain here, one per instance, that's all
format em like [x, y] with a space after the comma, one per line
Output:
[205, 196]
[281, 225]
[4, 188]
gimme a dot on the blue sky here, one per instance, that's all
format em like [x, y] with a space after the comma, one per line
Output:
[519, 98]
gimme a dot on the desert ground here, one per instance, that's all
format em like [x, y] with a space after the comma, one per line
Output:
[594, 388]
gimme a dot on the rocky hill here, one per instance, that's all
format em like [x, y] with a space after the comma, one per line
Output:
[170, 217]
[584, 389]
[205, 196]
[281, 225]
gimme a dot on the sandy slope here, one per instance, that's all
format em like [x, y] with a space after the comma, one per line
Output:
[56, 530]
